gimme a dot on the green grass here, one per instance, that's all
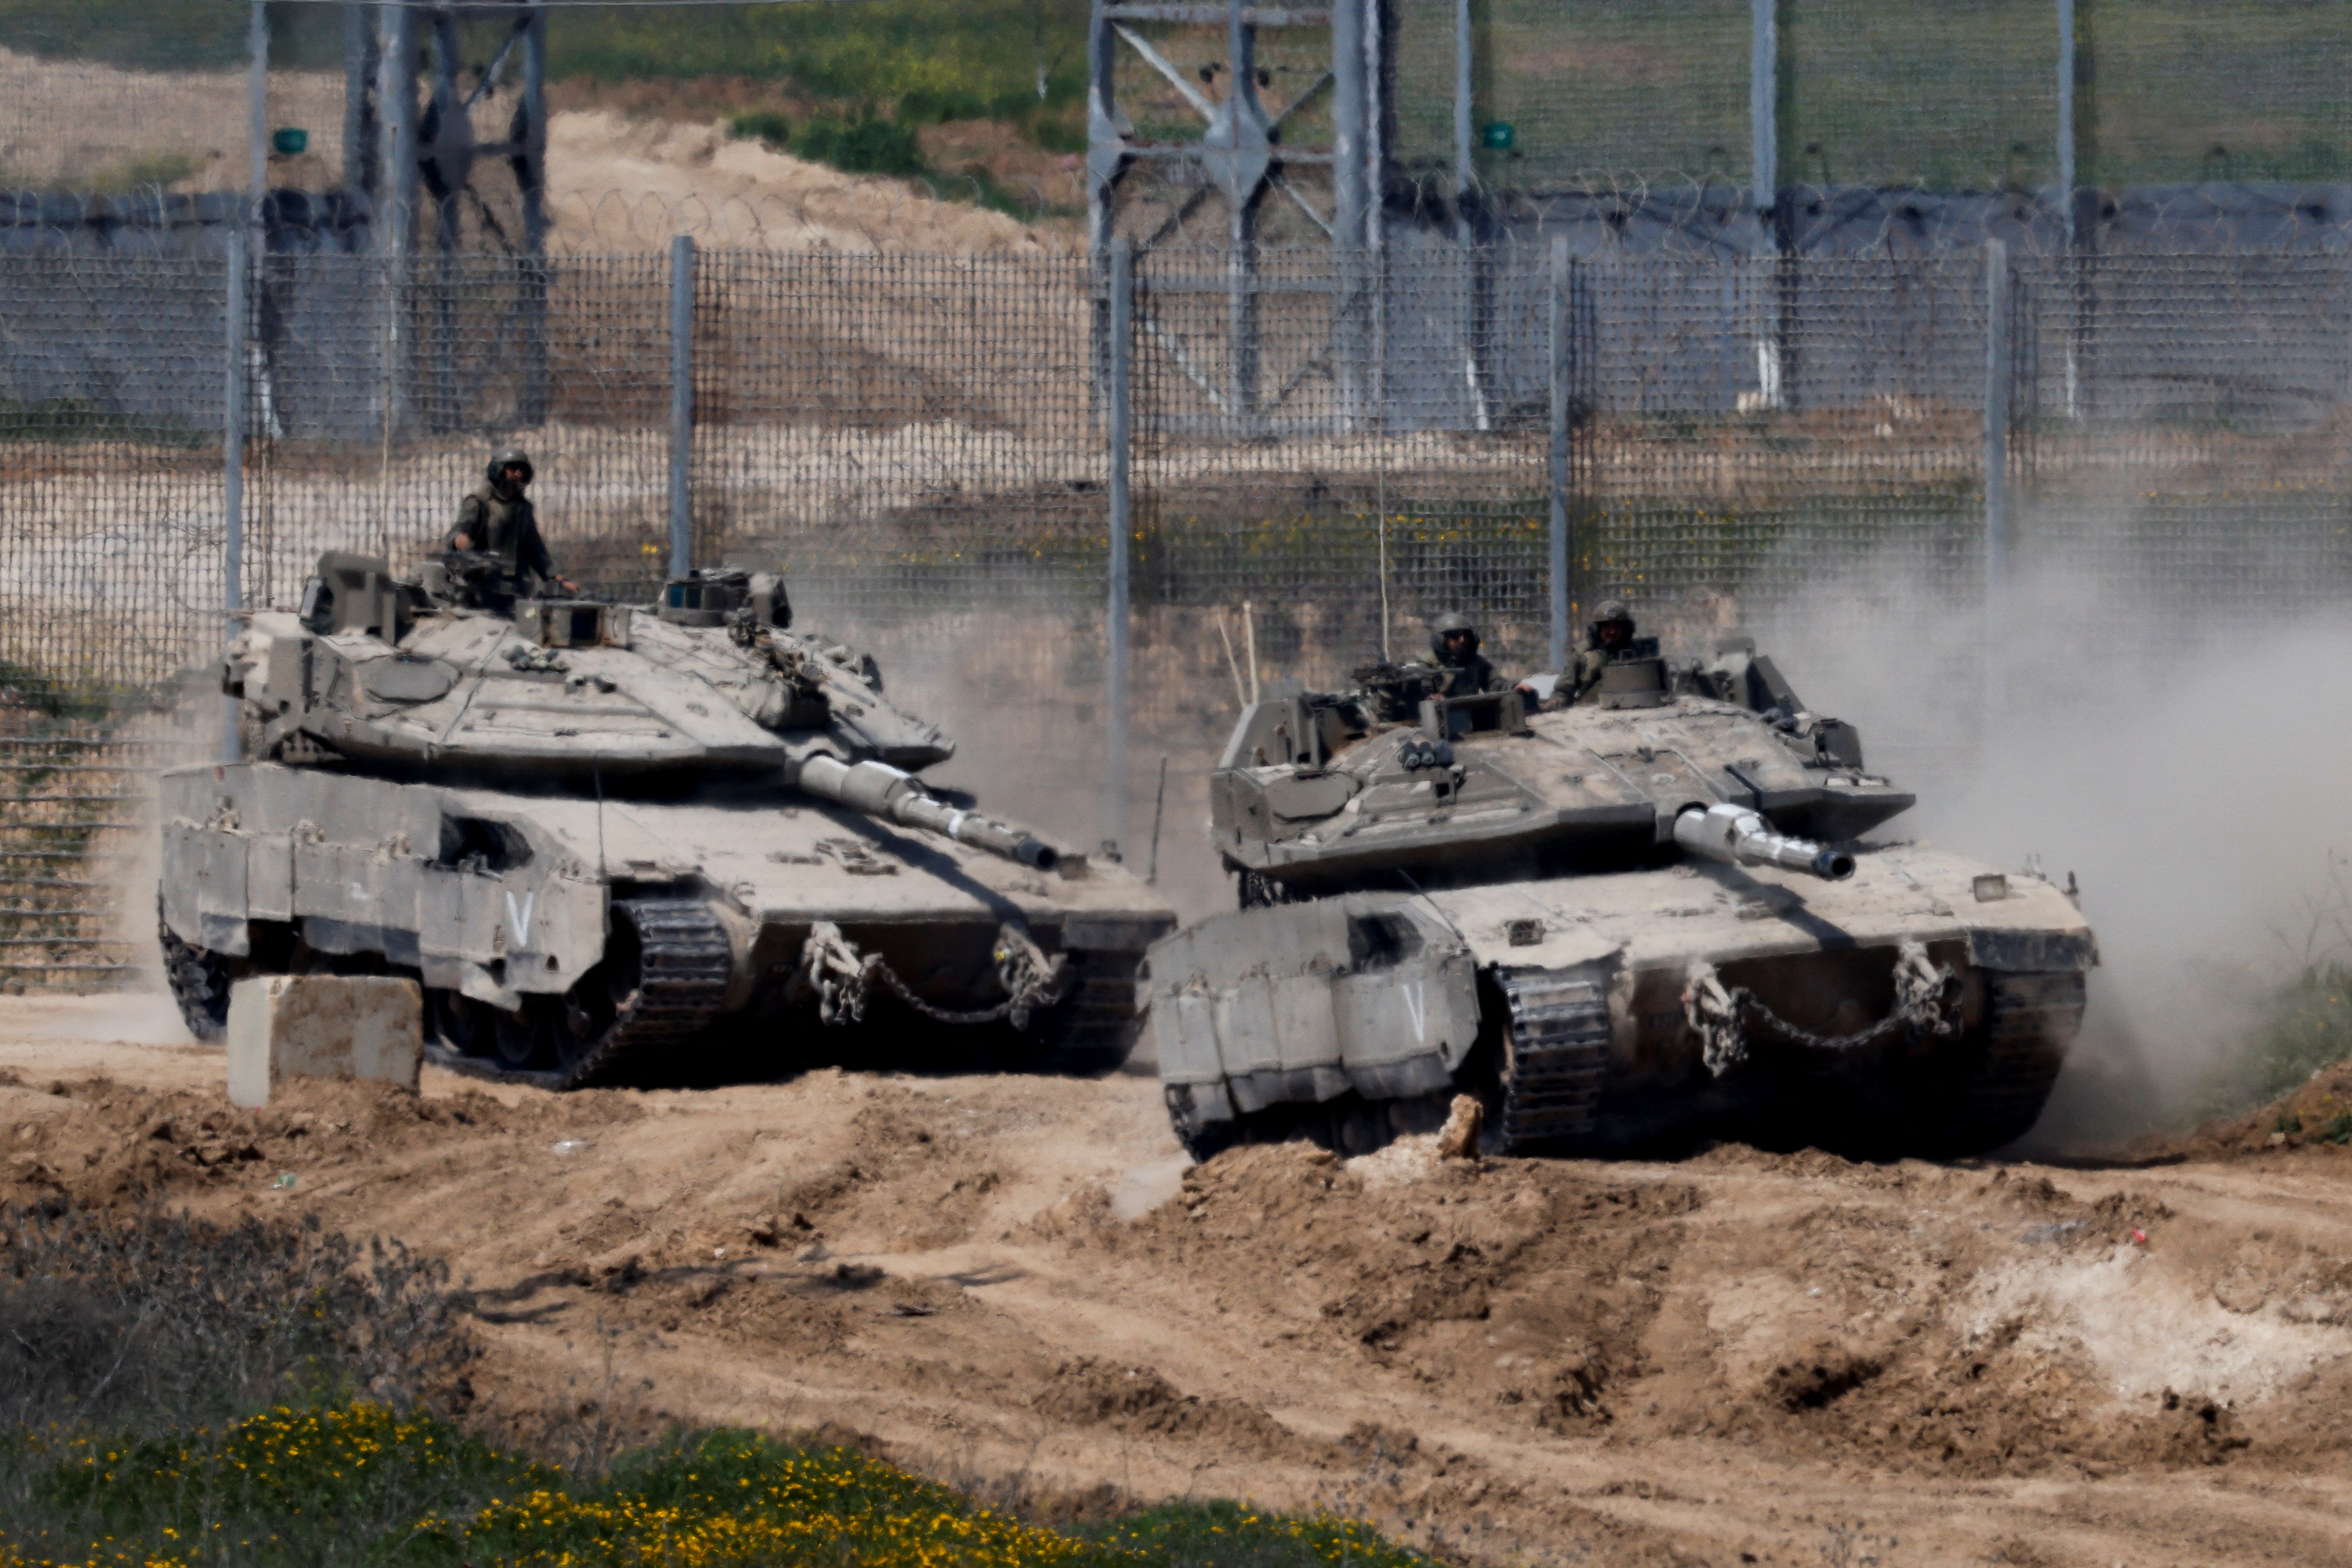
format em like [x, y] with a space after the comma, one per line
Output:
[358, 1483]
[2309, 1026]
[926, 61]
[865, 143]
[861, 143]
[175, 1393]
[1936, 95]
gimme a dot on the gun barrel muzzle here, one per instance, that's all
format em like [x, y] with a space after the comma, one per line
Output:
[896, 796]
[1736, 835]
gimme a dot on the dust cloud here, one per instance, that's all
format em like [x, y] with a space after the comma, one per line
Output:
[2189, 768]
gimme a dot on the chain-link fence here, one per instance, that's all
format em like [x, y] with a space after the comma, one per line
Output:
[1324, 451]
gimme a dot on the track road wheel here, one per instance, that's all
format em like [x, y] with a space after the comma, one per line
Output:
[523, 1042]
[458, 1021]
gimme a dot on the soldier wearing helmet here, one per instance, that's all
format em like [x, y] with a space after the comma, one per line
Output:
[499, 520]
[1463, 670]
[1609, 634]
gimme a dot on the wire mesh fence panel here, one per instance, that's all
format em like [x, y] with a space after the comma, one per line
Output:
[917, 440]
[1925, 94]
[2182, 437]
[1575, 96]
[2179, 92]
[111, 382]
[381, 397]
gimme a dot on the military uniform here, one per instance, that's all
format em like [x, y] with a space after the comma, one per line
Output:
[505, 525]
[1580, 683]
[1466, 674]
[1469, 678]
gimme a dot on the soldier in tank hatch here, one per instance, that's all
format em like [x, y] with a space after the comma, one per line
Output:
[1453, 644]
[499, 520]
[1609, 634]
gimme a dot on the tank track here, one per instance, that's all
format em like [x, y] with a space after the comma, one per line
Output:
[2030, 1019]
[1092, 1030]
[199, 981]
[1557, 1055]
[684, 965]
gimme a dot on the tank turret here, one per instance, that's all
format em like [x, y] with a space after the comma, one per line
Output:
[600, 835]
[1651, 914]
[1390, 785]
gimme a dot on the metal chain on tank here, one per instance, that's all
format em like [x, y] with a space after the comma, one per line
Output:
[842, 979]
[1926, 1007]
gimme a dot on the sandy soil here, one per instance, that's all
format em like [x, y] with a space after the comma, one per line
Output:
[1017, 1281]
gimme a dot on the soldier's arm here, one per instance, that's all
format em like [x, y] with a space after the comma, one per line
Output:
[531, 554]
[467, 532]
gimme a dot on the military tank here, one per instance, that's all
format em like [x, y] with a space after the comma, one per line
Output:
[1650, 916]
[617, 842]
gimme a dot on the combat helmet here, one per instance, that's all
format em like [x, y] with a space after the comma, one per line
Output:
[509, 456]
[1610, 610]
[1452, 620]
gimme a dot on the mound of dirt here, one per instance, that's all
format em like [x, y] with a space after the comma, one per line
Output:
[1006, 1281]
[617, 183]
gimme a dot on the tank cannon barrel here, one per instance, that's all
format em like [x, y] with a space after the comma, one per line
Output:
[881, 790]
[1739, 836]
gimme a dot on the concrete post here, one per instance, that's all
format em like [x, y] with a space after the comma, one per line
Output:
[681, 403]
[232, 418]
[1122, 353]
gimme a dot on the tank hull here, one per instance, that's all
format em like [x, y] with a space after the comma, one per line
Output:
[1922, 1007]
[578, 941]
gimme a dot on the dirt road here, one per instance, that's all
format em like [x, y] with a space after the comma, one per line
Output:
[1016, 1282]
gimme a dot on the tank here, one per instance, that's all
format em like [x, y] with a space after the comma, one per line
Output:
[1648, 918]
[626, 844]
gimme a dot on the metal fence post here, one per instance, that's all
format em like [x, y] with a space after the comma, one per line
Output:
[1997, 539]
[681, 403]
[1561, 551]
[1122, 354]
[233, 412]
[1466, 171]
[256, 108]
[1764, 161]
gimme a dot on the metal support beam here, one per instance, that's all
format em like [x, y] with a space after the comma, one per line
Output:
[531, 164]
[1764, 192]
[1764, 104]
[1243, 120]
[1999, 542]
[234, 398]
[1561, 547]
[1350, 195]
[1121, 527]
[1466, 169]
[257, 111]
[359, 108]
[396, 108]
[681, 403]
[2066, 122]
